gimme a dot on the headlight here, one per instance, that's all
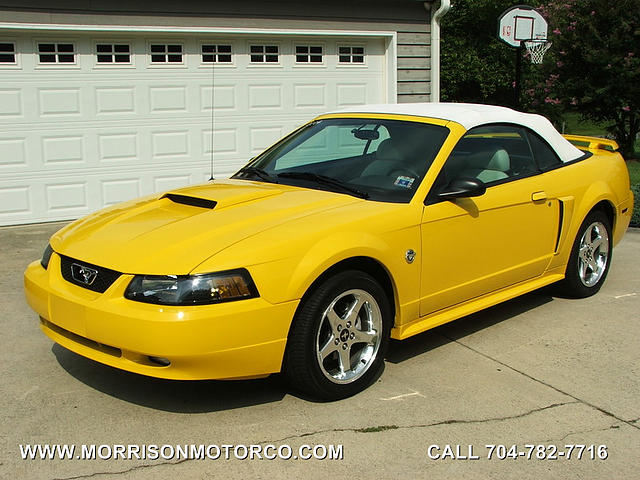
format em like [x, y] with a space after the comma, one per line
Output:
[192, 289]
[46, 256]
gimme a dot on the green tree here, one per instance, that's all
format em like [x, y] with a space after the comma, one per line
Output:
[475, 65]
[593, 67]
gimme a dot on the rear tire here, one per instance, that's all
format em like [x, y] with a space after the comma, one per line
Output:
[590, 257]
[339, 337]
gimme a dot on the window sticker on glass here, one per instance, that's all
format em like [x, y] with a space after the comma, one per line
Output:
[404, 182]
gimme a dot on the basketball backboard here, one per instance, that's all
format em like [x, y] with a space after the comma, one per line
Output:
[521, 23]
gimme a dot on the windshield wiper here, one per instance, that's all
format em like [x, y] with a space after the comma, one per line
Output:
[258, 172]
[324, 180]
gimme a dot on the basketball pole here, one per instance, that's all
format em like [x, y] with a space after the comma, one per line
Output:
[517, 87]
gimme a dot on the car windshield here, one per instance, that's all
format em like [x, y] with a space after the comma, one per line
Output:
[382, 160]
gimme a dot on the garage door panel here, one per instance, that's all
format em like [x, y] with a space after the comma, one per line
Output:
[117, 147]
[59, 102]
[309, 96]
[16, 201]
[265, 96]
[59, 150]
[224, 98]
[114, 100]
[225, 142]
[168, 99]
[11, 103]
[13, 153]
[120, 190]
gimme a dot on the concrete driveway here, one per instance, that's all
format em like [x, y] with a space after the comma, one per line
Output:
[537, 370]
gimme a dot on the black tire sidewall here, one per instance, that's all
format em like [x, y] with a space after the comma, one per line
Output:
[301, 364]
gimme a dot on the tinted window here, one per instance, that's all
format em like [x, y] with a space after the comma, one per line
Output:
[492, 154]
[543, 153]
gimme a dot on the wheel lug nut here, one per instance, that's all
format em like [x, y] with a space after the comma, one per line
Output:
[348, 324]
[344, 346]
[337, 341]
[339, 327]
[352, 336]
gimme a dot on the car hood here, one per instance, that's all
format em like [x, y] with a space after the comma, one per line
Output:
[174, 232]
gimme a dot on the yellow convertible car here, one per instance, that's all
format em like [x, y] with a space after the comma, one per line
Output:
[379, 222]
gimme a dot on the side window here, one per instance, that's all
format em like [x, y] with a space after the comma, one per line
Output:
[542, 152]
[492, 154]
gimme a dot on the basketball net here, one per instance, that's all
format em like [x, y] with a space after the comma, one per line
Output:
[536, 49]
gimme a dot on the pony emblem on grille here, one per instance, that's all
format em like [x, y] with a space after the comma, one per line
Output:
[83, 274]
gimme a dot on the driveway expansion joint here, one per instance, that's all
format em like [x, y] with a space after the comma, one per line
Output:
[121, 472]
[581, 432]
[359, 430]
[531, 377]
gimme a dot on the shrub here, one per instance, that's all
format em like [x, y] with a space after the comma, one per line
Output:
[635, 218]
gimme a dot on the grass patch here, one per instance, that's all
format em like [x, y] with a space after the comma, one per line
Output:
[634, 171]
[574, 124]
[635, 217]
[379, 428]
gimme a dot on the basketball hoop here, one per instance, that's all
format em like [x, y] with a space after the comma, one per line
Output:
[536, 48]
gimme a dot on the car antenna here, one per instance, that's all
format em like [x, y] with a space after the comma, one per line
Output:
[213, 88]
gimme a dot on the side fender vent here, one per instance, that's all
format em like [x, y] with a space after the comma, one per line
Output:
[560, 224]
[193, 201]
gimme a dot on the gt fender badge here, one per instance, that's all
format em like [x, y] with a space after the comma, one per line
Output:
[410, 255]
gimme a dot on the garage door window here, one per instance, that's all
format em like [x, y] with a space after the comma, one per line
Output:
[216, 53]
[56, 53]
[166, 53]
[308, 54]
[264, 54]
[351, 54]
[7, 53]
[113, 53]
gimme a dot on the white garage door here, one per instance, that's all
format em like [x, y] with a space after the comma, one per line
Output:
[89, 120]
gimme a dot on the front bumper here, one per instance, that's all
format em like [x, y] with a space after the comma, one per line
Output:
[240, 339]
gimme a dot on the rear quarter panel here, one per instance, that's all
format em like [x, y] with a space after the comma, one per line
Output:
[582, 185]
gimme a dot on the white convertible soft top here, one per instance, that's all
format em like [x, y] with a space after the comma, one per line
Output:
[471, 115]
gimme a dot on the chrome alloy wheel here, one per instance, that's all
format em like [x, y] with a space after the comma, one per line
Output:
[349, 336]
[593, 254]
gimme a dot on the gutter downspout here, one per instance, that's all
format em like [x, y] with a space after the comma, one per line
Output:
[445, 5]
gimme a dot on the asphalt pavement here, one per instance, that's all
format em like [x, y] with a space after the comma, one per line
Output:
[532, 375]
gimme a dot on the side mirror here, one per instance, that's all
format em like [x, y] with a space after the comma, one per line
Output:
[462, 188]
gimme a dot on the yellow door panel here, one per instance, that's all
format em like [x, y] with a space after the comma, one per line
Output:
[474, 246]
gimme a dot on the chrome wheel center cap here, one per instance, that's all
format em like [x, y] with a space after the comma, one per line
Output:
[344, 335]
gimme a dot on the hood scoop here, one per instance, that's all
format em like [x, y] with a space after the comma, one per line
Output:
[192, 201]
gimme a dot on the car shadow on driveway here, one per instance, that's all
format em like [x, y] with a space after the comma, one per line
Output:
[202, 396]
[178, 396]
[400, 351]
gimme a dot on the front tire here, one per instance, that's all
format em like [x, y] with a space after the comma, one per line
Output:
[590, 257]
[339, 337]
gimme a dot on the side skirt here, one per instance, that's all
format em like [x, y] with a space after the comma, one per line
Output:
[471, 306]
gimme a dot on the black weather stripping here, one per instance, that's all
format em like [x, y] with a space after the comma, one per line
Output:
[193, 201]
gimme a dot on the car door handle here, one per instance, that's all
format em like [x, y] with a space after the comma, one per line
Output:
[538, 196]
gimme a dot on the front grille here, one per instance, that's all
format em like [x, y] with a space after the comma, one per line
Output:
[99, 282]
